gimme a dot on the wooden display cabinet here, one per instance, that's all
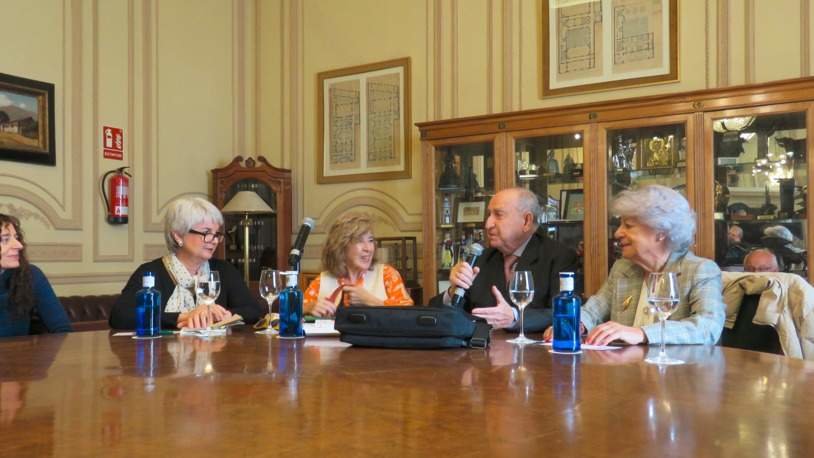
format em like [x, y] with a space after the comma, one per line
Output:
[714, 146]
[270, 235]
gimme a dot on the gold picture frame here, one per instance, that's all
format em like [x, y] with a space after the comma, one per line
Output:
[574, 57]
[364, 123]
[27, 129]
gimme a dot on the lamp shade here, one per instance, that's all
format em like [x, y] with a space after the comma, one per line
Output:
[246, 202]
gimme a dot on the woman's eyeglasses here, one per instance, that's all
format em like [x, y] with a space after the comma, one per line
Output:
[208, 237]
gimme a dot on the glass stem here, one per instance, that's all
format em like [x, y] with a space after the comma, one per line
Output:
[662, 353]
[522, 330]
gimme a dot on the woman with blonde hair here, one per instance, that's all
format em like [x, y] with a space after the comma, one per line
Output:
[351, 274]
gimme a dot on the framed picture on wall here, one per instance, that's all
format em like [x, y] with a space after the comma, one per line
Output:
[364, 123]
[595, 45]
[26, 120]
[471, 212]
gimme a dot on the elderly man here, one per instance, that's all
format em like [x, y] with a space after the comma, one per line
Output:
[514, 244]
[761, 260]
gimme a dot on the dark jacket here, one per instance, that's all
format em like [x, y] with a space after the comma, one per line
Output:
[544, 257]
[234, 295]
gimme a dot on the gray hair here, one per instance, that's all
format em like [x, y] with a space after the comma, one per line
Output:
[660, 208]
[185, 212]
[527, 201]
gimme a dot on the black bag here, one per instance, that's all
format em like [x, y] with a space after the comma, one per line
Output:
[411, 327]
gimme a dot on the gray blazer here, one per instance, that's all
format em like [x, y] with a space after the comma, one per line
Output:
[699, 318]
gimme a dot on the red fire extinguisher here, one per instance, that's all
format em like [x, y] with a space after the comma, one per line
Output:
[119, 189]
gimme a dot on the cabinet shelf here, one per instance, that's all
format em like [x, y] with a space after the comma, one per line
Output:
[675, 129]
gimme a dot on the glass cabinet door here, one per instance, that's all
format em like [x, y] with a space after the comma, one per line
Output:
[262, 231]
[465, 181]
[760, 172]
[552, 166]
[639, 156]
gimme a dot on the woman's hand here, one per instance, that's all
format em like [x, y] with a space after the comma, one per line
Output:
[203, 316]
[609, 331]
[359, 295]
[548, 335]
[323, 308]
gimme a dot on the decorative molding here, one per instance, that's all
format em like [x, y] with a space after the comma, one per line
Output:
[391, 211]
[490, 56]
[152, 251]
[149, 36]
[294, 100]
[238, 86]
[454, 51]
[72, 128]
[520, 55]
[437, 67]
[22, 213]
[706, 44]
[805, 37]
[97, 174]
[54, 252]
[723, 43]
[508, 55]
[749, 40]
[89, 278]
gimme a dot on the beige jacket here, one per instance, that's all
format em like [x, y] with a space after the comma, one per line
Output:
[786, 303]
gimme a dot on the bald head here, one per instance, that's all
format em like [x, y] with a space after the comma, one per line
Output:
[761, 260]
[512, 218]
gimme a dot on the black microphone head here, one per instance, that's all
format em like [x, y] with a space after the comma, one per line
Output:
[476, 249]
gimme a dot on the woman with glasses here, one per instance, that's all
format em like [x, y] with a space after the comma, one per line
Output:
[192, 232]
[25, 294]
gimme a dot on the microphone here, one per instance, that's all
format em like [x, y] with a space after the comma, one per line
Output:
[473, 253]
[295, 254]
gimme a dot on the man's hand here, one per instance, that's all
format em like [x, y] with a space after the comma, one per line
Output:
[500, 316]
[609, 331]
[462, 275]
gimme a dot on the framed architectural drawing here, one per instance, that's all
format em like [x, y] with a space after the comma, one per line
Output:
[594, 45]
[26, 120]
[364, 123]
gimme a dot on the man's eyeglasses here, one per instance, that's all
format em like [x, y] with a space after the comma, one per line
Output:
[208, 237]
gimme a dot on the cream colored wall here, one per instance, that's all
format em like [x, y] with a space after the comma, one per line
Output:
[473, 57]
[178, 75]
[196, 82]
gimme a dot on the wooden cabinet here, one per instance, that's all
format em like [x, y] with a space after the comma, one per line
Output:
[270, 235]
[739, 155]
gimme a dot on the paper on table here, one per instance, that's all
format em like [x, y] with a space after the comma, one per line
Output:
[320, 328]
[591, 347]
[124, 334]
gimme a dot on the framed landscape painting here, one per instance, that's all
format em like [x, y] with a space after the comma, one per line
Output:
[26, 120]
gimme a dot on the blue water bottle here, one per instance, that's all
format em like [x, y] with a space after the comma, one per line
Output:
[148, 308]
[290, 302]
[566, 316]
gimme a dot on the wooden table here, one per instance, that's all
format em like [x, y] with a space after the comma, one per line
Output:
[89, 394]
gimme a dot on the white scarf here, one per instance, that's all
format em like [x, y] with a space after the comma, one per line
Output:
[183, 297]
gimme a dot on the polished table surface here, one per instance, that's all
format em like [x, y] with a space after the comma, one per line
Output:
[91, 394]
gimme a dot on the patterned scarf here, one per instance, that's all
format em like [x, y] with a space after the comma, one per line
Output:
[183, 297]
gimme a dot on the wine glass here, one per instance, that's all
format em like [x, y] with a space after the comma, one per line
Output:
[662, 298]
[270, 286]
[521, 290]
[207, 290]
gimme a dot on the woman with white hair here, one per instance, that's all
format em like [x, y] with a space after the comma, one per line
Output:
[192, 231]
[656, 231]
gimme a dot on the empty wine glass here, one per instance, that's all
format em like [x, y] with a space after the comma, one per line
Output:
[207, 290]
[521, 291]
[662, 298]
[270, 286]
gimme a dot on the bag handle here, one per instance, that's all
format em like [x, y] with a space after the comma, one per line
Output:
[480, 337]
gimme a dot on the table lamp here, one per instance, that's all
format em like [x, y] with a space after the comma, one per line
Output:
[246, 203]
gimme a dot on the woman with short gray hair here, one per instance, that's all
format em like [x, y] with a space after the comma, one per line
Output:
[655, 234]
[192, 232]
